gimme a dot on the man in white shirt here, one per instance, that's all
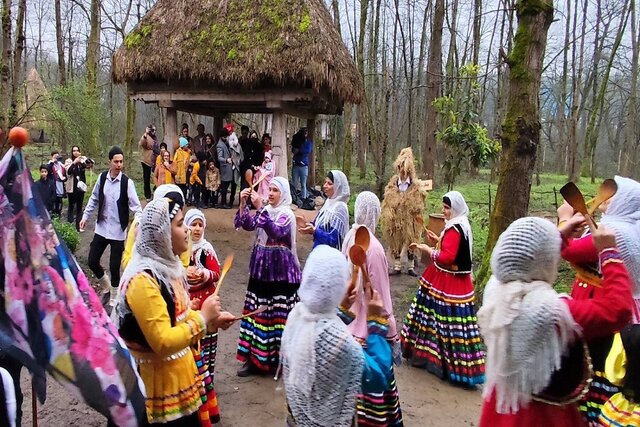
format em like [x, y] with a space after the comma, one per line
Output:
[114, 195]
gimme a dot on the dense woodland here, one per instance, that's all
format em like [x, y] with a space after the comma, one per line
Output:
[516, 85]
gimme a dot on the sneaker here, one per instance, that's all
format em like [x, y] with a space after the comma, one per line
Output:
[411, 272]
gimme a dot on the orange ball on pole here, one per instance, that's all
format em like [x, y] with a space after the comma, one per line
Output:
[18, 137]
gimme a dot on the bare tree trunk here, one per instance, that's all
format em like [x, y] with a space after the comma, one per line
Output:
[521, 125]
[62, 68]
[593, 127]
[573, 161]
[631, 135]
[434, 87]
[17, 60]
[561, 117]
[5, 69]
[363, 134]
[93, 48]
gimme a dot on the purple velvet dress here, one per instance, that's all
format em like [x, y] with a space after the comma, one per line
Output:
[274, 278]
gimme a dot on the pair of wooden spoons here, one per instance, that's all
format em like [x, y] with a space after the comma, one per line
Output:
[572, 194]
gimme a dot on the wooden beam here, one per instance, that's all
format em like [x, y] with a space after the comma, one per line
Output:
[212, 96]
[171, 129]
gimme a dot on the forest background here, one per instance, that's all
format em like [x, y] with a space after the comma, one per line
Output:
[438, 77]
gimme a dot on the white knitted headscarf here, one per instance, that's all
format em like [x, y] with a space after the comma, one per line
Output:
[459, 216]
[335, 210]
[282, 208]
[201, 244]
[524, 322]
[322, 362]
[623, 216]
[152, 251]
[366, 212]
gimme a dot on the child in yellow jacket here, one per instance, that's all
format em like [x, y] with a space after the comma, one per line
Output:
[198, 179]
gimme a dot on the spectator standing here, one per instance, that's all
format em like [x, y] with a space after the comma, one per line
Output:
[148, 144]
[253, 153]
[46, 188]
[59, 175]
[114, 196]
[198, 142]
[302, 147]
[226, 170]
[78, 185]
[181, 160]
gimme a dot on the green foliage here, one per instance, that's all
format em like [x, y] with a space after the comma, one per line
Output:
[466, 139]
[305, 23]
[77, 117]
[136, 37]
[67, 232]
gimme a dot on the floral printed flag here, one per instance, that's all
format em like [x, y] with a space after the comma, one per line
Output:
[51, 320]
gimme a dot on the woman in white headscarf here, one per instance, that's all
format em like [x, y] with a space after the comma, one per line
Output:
[274, 276]
[537, 363]
[324, 367]
[374, 409]
[202, 277]
[332, 222]
[440, 332]
[153, 315]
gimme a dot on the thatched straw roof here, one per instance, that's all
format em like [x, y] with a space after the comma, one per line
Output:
[240, 45]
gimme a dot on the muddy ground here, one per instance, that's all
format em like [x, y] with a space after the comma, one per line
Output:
[425, 400]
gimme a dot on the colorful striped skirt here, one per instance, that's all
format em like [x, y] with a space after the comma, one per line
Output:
[599, 392]
[260, 335]
[209, 412]
[380, 409]
[620, 412]
[441, 334]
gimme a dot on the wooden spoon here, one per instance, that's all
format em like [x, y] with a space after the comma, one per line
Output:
[228, 262]
[363, 239]
[248, 176]
[606, 191]
[262, 178]
[358, 257]
[260, 309]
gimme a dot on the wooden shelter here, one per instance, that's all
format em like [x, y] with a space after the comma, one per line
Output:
[218, 57]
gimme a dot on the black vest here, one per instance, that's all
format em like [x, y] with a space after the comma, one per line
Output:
[123, 201]
[463, 257]
[631, 342]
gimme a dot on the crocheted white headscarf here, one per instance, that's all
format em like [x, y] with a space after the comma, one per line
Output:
[322, 362]
[152, 251]
[459, 216]
[367, 212]
[623, 216]
[283, 208]
[335, 210]
[202, 243]
[524, 322]
[164, 189]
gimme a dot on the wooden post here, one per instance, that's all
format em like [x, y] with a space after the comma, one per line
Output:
[279, 143]
[171, 129]
[311, 130]
[217, 125]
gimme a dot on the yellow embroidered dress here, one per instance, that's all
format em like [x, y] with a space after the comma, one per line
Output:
[166, 365]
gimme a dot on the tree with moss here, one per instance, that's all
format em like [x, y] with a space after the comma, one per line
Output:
[520, 133]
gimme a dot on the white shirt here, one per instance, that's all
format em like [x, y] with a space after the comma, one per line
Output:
[109, 227]
[403, 186]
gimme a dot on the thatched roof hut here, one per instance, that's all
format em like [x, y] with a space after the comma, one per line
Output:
[216, 57]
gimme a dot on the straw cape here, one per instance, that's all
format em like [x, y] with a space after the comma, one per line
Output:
[241, 45]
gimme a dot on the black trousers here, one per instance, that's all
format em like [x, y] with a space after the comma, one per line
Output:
[98, 246]
[57, 205]
[224, 188]
[74, 210]
[198, 194]
[146, 178]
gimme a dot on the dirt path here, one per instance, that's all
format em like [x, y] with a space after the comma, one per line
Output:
[425, 400]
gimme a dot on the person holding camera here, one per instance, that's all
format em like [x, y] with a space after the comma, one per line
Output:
[59, 175]
[77, 180]
[148, 146]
